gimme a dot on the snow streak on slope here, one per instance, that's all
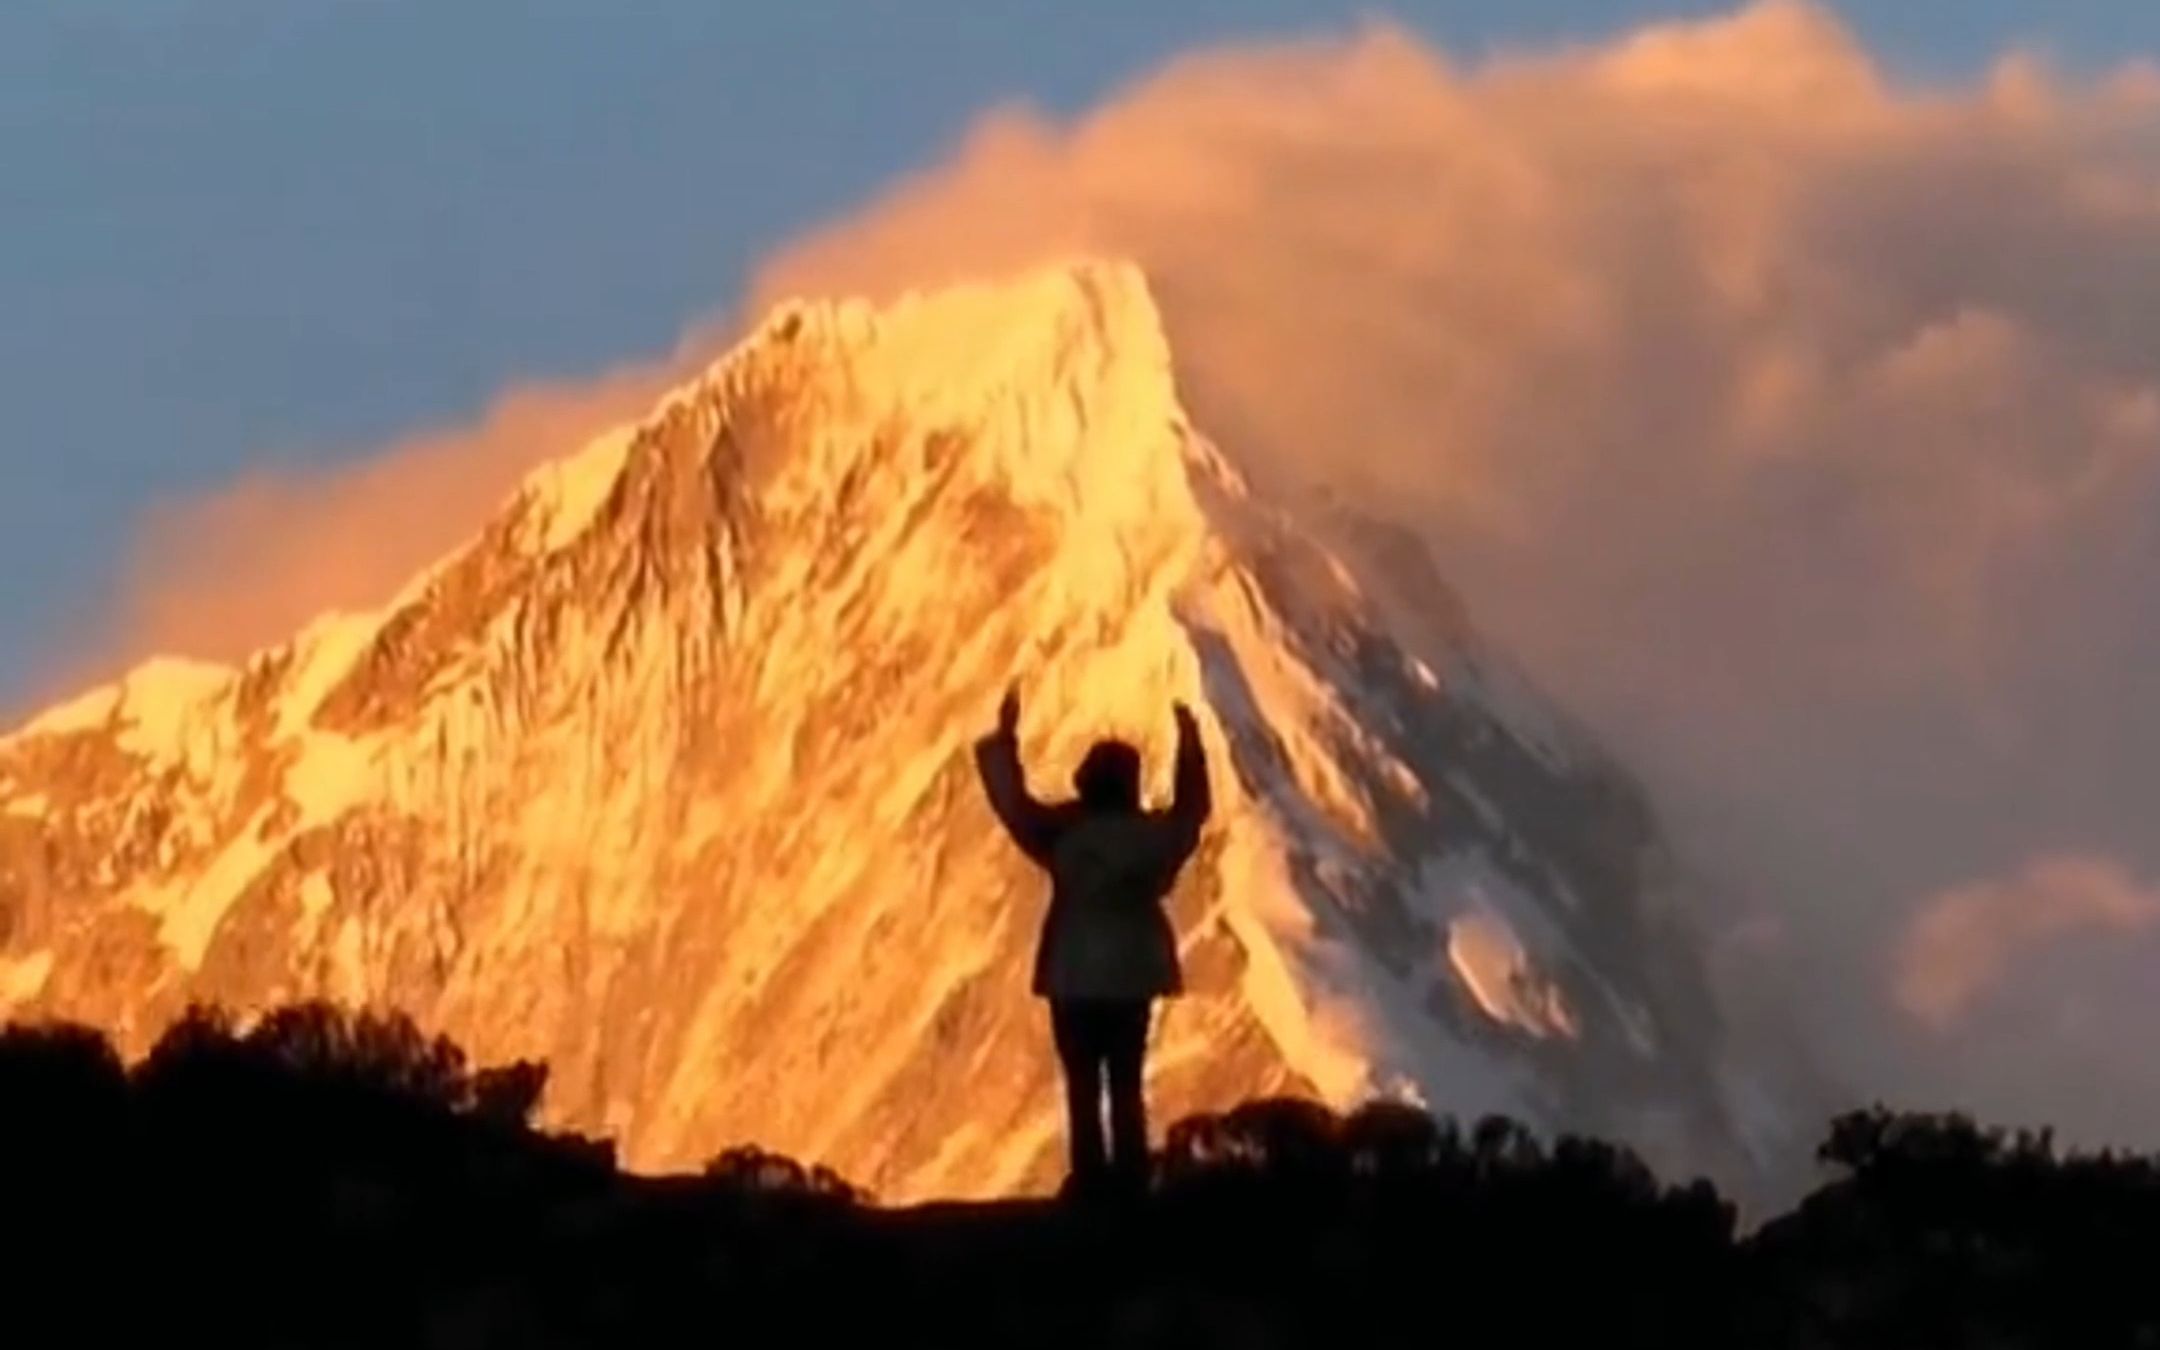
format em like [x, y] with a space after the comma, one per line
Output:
[664, 778]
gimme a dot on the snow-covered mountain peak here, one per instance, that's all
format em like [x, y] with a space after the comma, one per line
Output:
[1061, 379]
[664, 777]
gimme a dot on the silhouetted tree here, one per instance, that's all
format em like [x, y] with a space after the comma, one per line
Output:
[329, 1177]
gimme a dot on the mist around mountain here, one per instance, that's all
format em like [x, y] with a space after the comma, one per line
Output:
[324, 1178]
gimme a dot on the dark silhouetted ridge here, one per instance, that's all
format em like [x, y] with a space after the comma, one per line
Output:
[325, 1178]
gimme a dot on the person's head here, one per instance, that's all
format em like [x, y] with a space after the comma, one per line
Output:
[1108, 779]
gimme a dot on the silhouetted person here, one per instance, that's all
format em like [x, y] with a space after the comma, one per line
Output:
[1107, 950]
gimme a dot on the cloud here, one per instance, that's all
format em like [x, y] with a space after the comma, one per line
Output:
[1800, 427]
[1711, 327]
[219, 575]
[1965, 940]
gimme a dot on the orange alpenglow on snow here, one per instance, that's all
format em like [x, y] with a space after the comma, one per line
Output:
[663, 778]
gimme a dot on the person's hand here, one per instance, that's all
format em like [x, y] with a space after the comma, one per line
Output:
[1009, 712]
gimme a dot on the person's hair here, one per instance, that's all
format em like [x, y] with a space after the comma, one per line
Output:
[1109, 777]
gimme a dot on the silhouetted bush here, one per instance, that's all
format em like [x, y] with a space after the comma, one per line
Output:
[1285, 1141]
[747, 1168]
[324, 1177]
[59, 1078]
[63, 1118]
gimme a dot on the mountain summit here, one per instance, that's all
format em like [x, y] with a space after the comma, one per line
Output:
[665, 778]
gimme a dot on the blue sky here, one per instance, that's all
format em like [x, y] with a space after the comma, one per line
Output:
[240, 232]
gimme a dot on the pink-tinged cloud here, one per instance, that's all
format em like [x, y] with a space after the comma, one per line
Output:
[1966, 940]
[222, 574]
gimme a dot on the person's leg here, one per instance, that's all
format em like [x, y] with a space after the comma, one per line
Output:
[1073, 1029]
[1125, 1036]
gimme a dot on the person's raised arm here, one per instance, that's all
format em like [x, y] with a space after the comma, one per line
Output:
[997, 759]
[1191, 798]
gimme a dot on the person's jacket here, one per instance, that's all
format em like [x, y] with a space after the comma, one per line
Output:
[1105, 935]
